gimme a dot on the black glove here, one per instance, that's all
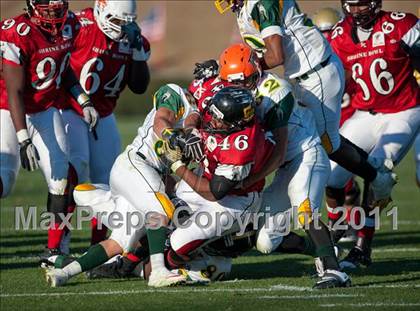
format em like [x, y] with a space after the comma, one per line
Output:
[133, 35]
[29, 156]
[206, 70]
[194, 148]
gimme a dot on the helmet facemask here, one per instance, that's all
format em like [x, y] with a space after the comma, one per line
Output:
[50, 16]
[223, 6]
[362, 18]
[110, 21]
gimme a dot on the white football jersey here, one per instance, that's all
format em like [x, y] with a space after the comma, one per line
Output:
[147, 142]
[302, 132]
[304, 45]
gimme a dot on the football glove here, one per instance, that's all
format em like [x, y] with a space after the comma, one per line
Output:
[174, 137]
[90, 115]
[194, 148]
[29, 156]
[172, 156]
[206, 70]
[133, 34]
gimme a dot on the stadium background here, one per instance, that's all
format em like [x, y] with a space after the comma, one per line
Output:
[186, 32]
[183, 33]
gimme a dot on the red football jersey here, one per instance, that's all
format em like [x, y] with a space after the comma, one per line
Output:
[101, 65]
[380, 67]
[203, 90]
[23, 44]
[237, 155]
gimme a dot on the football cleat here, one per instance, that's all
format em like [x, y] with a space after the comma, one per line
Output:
[56, 277]
[47, 258]
[163, 278]
[120, 268]
[332, 279]
[193, 277]
[355, 258]
[319, 265]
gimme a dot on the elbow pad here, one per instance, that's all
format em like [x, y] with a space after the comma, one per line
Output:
[220, 186]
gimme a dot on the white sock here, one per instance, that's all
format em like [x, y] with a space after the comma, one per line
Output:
[73, 269]
[157, 261]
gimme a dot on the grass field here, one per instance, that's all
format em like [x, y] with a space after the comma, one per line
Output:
[276, 282]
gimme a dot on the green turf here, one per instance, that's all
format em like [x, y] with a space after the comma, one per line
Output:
[276, 282]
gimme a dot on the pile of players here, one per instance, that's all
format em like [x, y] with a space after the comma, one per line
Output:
[236, 124]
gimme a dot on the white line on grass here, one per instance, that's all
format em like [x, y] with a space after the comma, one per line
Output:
[311, 296]
[279, 287]
[369, 304]
[166, 291]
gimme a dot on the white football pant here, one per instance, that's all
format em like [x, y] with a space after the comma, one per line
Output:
[382, 135]
[301, 181]
[91, 158]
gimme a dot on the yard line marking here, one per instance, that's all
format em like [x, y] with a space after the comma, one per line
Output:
[165, 291]
[321, 296]
[396, 250]
[291, 288]
[391, 286]
[369, 304]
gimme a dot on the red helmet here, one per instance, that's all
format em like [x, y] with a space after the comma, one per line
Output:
[49, 15]
[365, 16]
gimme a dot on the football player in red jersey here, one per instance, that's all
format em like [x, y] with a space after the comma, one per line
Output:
[235, 147]
[379, 51]
[109, 54]
[35, 51]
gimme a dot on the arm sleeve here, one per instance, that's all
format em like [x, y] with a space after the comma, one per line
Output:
[167, 97]
[267, 14]
[220, 186]
[11, 50]
[278, 116]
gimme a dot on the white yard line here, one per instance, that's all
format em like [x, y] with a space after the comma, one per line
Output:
[369, 304]
[321, 296]
[279, 287]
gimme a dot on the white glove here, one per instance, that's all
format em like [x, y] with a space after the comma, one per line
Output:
[90, 115]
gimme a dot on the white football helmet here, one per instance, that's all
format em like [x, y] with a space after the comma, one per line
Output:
[110, 15]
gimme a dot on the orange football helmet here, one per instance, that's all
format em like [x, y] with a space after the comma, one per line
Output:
[238, 64]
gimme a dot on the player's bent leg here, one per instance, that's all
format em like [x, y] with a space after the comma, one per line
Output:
[129, 175]
[77, 133]
[47, 133]
[9, 157]
[95, 256]
[104, 150]
[276, 206]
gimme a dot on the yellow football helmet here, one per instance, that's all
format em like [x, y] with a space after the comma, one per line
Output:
[224, 5]
[326, 18]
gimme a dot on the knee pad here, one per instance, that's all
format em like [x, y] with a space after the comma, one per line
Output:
[98, 197]
[7, 179]
[166, 204]
[304, 213]
[266, 244]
